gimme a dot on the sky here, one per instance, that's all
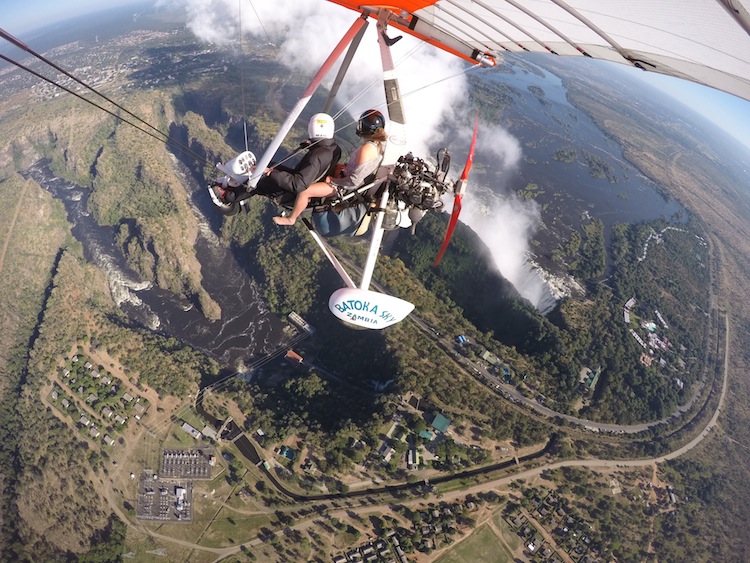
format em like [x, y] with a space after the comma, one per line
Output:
[21, 16]
[729, 112]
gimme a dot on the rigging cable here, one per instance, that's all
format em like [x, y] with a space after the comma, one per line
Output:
[110, 112]
[268, 37]
[372, 84]
[164, 137]
[242, 79]
[378, 80]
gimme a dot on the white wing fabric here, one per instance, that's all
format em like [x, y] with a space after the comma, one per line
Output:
[706, 41]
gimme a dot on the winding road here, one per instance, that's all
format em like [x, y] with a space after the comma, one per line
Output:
[222, 553]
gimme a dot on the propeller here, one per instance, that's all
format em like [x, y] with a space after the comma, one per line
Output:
[459, 190]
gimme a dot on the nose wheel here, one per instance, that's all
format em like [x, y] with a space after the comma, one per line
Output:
[225, 199]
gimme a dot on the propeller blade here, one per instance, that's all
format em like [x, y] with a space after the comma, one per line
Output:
[460, 189]
[449, 231]
[470, 157]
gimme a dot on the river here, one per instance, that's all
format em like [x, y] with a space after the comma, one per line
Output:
[536, 123]
[246, 330]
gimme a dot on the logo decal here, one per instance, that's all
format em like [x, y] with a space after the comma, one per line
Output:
[368, 309]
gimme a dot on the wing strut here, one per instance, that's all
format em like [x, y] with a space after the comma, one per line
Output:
[344, 68]
[265, 160]
[329, 254]
[460, 189]
[362, 307]
[377, 238]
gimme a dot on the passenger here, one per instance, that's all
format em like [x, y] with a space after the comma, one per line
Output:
[362, 163]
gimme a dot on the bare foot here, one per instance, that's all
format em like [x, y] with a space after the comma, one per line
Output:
[283, 221]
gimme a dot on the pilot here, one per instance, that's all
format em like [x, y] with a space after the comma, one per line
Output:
[362, 163]
[281, 182]
[318, 162]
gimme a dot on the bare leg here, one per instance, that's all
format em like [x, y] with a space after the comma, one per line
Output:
[319, 189]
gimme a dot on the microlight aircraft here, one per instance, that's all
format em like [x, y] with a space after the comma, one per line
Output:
[403, 190]
[705, 41]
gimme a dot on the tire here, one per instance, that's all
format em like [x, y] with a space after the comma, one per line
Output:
[230, 209]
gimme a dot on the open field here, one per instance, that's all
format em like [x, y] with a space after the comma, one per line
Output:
[482, 545]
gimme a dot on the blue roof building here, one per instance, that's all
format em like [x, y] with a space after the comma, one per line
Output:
[440, 423]
[426, 434]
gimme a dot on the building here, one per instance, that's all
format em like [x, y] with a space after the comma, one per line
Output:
[294, 357]
[440, 423]
[412, 458]
[108, 440]
[300, 323]
[589, 378]
[190, 430]
[489, 357]
[387, 455]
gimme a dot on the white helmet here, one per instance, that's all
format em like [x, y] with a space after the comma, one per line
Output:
[320, 126]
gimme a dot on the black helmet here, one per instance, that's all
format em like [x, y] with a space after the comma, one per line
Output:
[369, 122]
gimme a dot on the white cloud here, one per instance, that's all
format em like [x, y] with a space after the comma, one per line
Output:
[304, 33]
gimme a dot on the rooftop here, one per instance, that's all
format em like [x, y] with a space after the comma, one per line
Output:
[440, 423]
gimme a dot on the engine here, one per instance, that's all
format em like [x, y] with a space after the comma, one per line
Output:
[420, 184]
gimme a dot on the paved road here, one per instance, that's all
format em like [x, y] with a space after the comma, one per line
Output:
[590, 463]
[512, 394]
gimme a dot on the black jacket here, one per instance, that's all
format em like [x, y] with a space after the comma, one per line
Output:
[317, 163]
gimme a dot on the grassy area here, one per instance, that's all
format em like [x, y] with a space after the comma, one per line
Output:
[510, 537]
[232, 528]
[455, 485]
[192, 418]
[179, 439]
[148, 549]
[483, 545]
